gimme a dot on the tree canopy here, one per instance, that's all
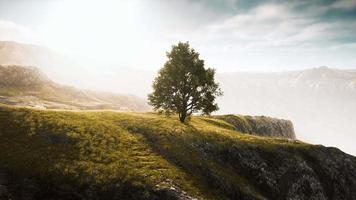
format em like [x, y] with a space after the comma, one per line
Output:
[183, 85]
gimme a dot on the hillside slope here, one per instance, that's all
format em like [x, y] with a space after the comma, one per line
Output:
[110, 155]
[28, 86]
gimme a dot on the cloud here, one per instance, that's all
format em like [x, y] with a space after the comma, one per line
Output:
[274, 35]
[10, 31]
[281, 25]
[344, 4]
[230, 34]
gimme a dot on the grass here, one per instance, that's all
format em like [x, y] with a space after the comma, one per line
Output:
[129, 154]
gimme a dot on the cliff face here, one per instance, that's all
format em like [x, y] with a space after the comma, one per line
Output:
[261, 125]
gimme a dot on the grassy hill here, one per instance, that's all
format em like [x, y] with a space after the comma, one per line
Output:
[111, 155]
[28, 86]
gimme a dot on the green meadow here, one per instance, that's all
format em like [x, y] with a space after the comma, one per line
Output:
[131, 155]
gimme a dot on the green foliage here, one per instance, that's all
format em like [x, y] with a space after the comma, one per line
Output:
[183, 85]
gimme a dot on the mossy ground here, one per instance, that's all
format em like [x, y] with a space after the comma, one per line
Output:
[129, 151]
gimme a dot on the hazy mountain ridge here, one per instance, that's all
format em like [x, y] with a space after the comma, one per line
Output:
[22, 76]
[321, 102]
[28, 86]
[280, 90]
[60, 68]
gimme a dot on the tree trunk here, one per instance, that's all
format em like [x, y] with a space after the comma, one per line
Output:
[182, 117]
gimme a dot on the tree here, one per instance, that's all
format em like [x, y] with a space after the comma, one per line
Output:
[183, 86]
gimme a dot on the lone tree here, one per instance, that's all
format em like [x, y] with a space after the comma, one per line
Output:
[183, 85]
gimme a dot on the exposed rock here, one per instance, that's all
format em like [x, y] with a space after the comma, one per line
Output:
[172, 191]
[261, 125]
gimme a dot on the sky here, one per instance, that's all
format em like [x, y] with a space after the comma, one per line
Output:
[231, 35]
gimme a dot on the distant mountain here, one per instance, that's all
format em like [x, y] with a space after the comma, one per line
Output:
[279, 91]
[25, 54]
[28, 86]
[321, 102]
[50, 62]
[74, 71]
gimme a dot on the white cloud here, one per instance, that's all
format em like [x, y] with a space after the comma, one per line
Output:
[273, 37]
[10, 31]
[137, 35]
[344, 4]
[278, 25]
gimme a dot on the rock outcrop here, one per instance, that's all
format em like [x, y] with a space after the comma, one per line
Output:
[261, 125]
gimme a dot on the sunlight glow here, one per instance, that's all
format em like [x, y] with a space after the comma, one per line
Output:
[101, 29]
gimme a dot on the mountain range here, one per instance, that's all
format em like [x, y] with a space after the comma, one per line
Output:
[29, 87]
